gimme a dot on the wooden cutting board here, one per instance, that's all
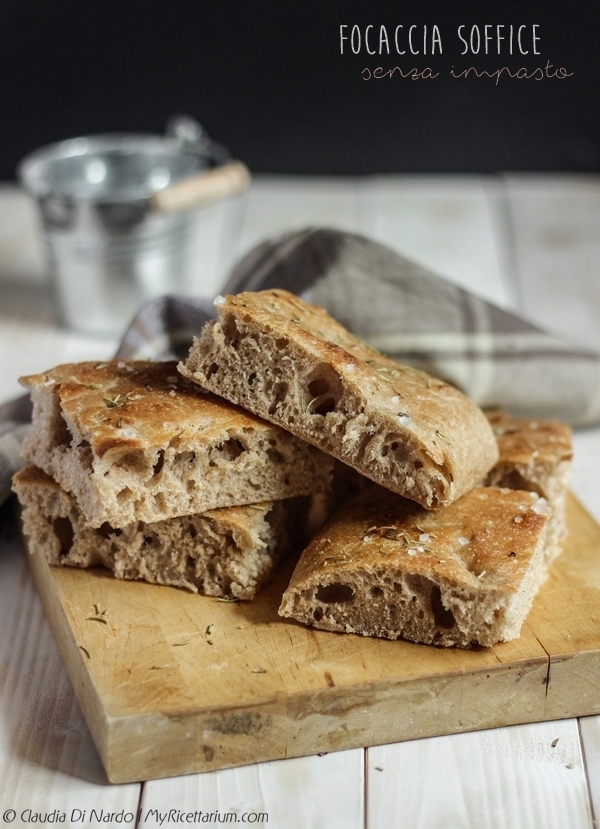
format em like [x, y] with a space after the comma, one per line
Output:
[176, 683]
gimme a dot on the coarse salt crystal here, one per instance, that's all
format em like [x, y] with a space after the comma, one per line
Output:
[504, 490]
[50, 382]
[421, 549]
[120, 364]
[404, 419]
[541, 507]
[395, 399]
[518, 519]
[462, 540]
[350, 368]
[411, 552]
[424, 537]
[128, 432]
[219, 300]
[172, 393]
[367, 538]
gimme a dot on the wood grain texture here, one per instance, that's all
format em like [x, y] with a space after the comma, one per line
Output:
[510, 778]
[299, 793]
[47, 758]
[267, 689]
[589, 729]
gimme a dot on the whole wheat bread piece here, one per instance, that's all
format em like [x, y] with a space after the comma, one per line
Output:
[535, 455]
[227, 552]
[136, 441]
[291, 363]
[383, 566]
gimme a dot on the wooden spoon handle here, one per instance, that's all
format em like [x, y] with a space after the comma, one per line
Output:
[202, 188]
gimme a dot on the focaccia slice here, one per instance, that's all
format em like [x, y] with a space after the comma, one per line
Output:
[385, 567]
[136, 441]
[291, 363]
[535, 455]
[227, 552]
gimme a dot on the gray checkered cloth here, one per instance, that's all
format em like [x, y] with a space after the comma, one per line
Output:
[497, 358]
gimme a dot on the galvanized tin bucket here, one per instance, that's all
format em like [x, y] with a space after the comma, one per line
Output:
[112, 237]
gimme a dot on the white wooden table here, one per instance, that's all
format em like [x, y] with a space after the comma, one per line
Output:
[528, 243]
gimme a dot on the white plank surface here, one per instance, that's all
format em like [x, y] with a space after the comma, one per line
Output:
[445, 223]
[47, 758]
[283, 203]
[589, 729]
[300, 793]
[509, 778]
[555, 222]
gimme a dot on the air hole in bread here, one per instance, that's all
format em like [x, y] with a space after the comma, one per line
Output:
[63, 530]
[124, 495]
[148, 539]
[160, 502]
[318, 387]
[324, 390]
[105, 530]
[191, 530]
[377, 592]
[275, 456]
[160, 462]
[251, 378]
[444, 618]
[282, 342]
[335, 593]
[213, 368]
[317, 614]
[230, 330]
[190, 564]
[63, 435]
[232, 448]
[514, 480]
[418, 465]
[321, 405]
[132, 461]
[279, 394]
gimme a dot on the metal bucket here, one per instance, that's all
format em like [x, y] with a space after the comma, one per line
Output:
[107, 249]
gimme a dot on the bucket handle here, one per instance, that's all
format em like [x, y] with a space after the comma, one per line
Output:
[202, 188]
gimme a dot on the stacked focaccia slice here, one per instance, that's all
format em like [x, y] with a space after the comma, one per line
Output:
[139, 470]
[464, 574]
[457, 563]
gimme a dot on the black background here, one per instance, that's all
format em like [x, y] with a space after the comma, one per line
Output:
[268, 80]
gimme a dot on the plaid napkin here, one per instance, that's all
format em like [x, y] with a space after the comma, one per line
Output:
[497, 358]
